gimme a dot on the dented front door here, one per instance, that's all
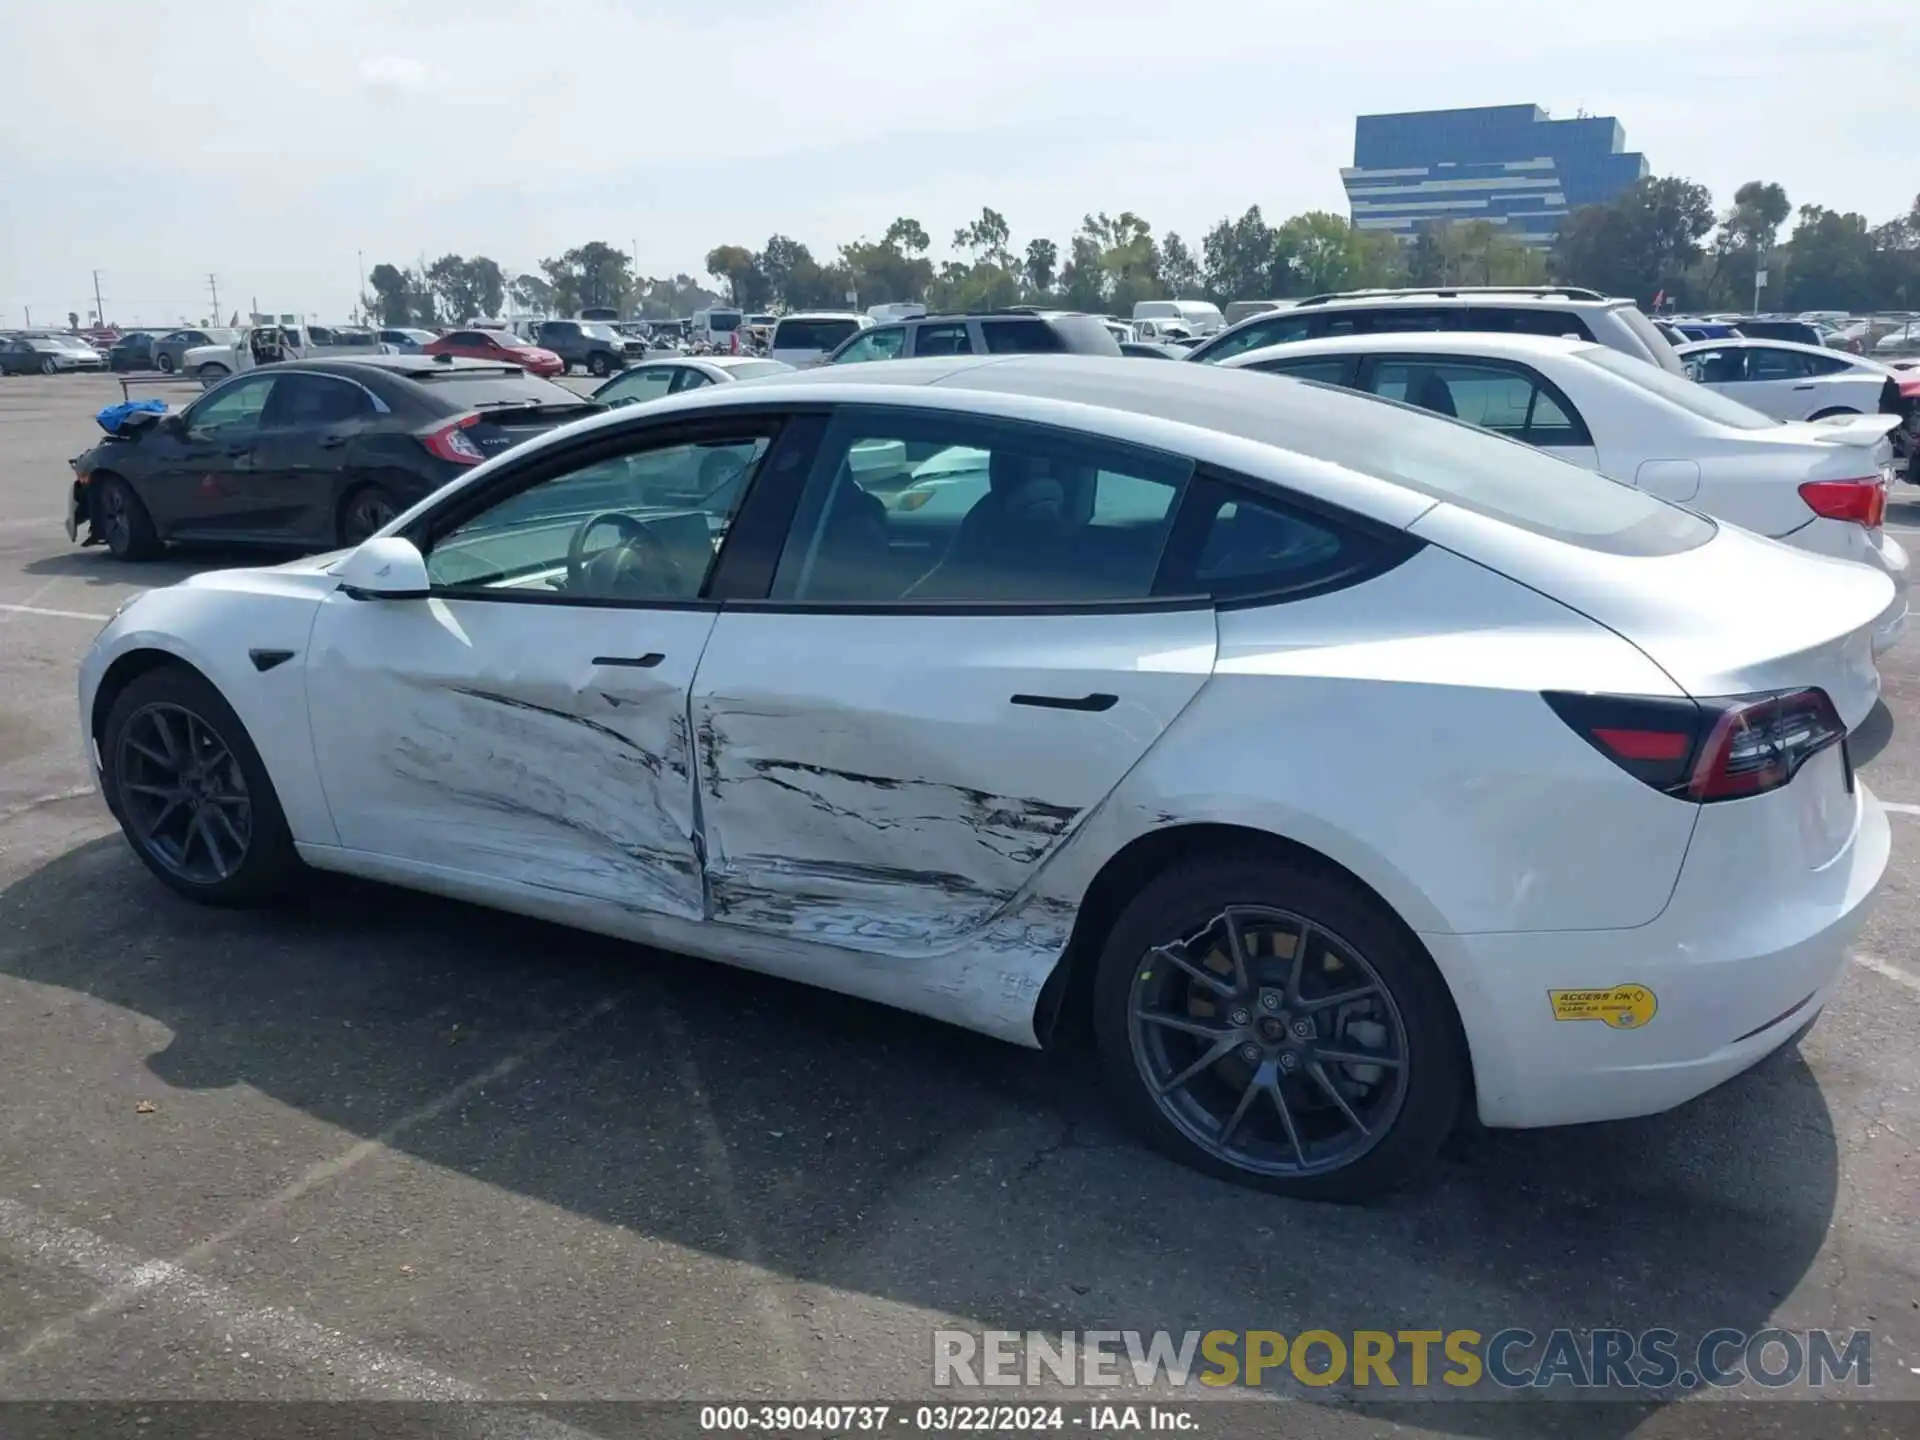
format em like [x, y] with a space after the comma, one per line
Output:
[537, 744]
[890, 782]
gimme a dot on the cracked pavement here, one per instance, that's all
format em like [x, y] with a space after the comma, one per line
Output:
[381, 1144]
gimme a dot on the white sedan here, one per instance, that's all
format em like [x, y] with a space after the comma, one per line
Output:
[1817, 487]
[1340, 766]
[1794, 382]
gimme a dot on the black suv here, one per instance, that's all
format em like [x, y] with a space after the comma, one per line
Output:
[1021, 331]
[594, 345]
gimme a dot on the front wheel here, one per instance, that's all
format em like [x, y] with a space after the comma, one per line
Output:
[121, 520]
[597, 366]
[164, 364]
[47, 367]
[191, 793]
[212, 373]
[1268, 1023]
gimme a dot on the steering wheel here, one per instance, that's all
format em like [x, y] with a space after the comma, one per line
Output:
[639, 555]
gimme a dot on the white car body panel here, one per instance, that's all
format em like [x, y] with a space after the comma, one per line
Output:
[794, 792]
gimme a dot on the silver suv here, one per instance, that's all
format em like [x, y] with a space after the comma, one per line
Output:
[1020, 330]
[1532, 310]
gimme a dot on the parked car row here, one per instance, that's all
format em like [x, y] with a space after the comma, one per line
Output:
[46, 352]
[1303, 727]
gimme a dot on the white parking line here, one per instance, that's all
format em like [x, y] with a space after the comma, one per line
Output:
[1896, 973]
[53, 614]
[1893, 807]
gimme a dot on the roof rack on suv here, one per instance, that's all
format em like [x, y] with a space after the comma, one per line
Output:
[1570, 292]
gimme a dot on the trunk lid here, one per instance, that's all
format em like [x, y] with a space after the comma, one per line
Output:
[1735, 615]
[500, 429]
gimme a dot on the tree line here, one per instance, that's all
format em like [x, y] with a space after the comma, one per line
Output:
[1661, 238]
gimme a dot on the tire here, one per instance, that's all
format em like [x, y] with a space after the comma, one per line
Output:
[1407, 1106]
[212, 373]
[250, 858]
[47, 367]
[363, 511]
[164, 364]
[597, 366]
[121, 520]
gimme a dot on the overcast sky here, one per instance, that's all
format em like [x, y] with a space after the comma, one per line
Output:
[272, 142]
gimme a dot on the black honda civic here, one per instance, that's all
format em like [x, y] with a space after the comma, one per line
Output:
[312, 453]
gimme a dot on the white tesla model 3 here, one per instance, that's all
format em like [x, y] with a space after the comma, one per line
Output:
[1340, 765]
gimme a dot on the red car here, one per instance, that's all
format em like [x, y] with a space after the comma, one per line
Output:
[495, 345]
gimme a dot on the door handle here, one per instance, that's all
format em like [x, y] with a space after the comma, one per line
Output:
[631, 662]
[234, 452]
[1068, 702]
[332, 442]
[1807, 386]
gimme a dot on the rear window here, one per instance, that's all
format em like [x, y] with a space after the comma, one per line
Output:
[1658, 351]
[1689, 395]
[812, 334]
[1021, 337]
[476, 390]
[1500, 478]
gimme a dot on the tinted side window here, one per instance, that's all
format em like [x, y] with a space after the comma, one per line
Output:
[1332, 369]
[1020, 337]
[308, 401]
[646, 382]
[1512, 320]
[1236, 542]
[1387, 320]
[1716, 367]
[1509, 400]
[1825, 364]
[998, 512]
[1766, 363]
[1258, 333]
[948, 339]
[232, 410]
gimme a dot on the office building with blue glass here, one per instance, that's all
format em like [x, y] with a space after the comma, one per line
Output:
[1512, 165]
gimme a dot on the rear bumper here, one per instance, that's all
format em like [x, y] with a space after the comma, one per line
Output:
[1734, 967]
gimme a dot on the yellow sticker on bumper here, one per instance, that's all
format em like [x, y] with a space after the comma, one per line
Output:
[1624, 1007]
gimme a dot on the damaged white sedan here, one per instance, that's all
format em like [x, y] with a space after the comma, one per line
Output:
[1339, 766]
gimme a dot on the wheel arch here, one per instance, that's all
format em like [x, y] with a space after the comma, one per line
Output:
[126, 668]
[1066, 997]
[1832, 410]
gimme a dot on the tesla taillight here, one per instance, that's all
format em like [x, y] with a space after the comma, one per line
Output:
[1720, 749]
[451, 442]
[1863, 502]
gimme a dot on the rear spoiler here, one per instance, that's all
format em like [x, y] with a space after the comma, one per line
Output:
[1866, 430]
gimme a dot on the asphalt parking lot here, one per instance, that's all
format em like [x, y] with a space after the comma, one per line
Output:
[381, 1146]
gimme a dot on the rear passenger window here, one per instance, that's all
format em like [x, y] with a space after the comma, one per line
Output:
[1508, 400]
[1019, 337]
[1282, 329]
[1238, 544]
[943, 340]
[1331, 370]
[1508, 320]
[996, 512]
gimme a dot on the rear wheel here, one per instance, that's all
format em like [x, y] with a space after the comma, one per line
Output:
[47, 367]
[191, 793]
[597, 365]
[164, 364]
[364, 512]
[1267, 1022]
[121, 520]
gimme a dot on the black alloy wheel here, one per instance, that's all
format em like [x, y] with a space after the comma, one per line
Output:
[597, 365]
[1268, 1023]
[183, 778]
[1270, 1042]
[121, 520]
[185, 799]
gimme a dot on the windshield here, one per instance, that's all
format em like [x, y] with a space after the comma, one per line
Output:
[1690, 396]
[723, 320]
[813, 334]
